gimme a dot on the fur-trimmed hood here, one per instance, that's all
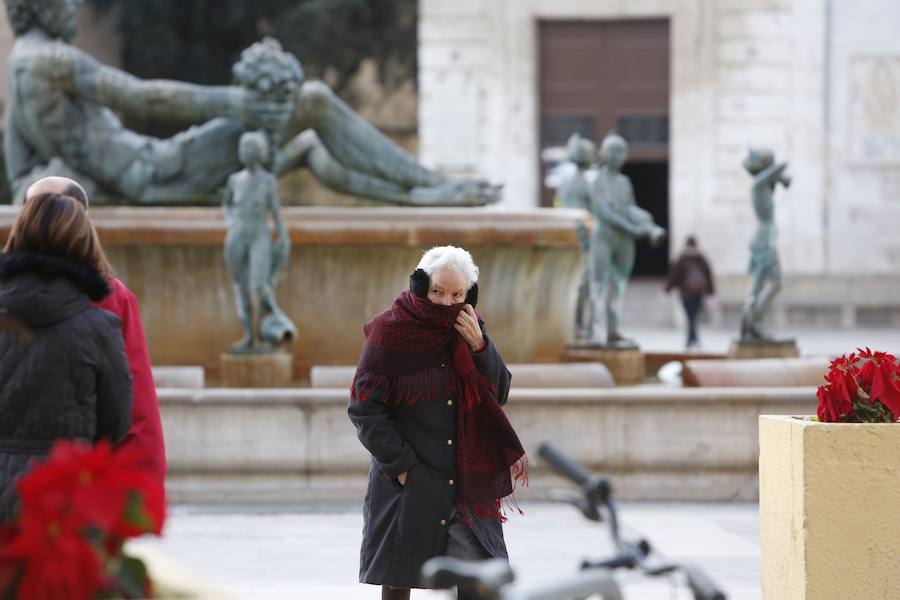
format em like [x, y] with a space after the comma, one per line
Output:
[40, 290]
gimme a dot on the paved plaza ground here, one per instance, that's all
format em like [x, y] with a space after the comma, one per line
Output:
[312, 552]
[811, 341]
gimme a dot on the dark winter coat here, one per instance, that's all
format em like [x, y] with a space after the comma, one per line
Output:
[63, 371]
[407, 525]
[692, 275]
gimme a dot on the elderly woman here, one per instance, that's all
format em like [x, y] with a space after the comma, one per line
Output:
[426, 403]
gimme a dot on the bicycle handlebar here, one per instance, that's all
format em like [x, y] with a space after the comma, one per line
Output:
[597, 489]
[563, 464]
[630, 555]
[701, 585]
[487, 577]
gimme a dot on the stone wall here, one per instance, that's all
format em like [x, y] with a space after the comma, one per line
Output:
[862, 156]
[796, 75]
[656, 443]
[752, 66]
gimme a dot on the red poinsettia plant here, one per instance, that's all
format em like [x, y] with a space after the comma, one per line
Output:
[863, 387]
[77, 508]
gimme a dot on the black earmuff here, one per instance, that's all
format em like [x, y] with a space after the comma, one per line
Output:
[472, 295]
[418, 283]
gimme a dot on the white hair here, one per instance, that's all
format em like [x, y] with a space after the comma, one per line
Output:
[450, 258]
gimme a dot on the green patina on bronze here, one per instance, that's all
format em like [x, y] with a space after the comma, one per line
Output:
[575, 192]
[252, 260]
[764, 267]
[608, 195]
[63, 118]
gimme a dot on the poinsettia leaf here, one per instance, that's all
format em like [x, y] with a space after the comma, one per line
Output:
[890, 397]
[10, 576]
[878, 383]
[135, 513]
[132, 578]
[825, 412]
[872, 412]
[866, 373]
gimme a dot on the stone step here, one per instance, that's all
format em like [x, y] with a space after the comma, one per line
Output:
[756, 372]
[524, 375]
[657, 442]
[178, 377]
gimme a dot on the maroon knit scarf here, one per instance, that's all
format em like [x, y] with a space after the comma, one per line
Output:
[402, 357]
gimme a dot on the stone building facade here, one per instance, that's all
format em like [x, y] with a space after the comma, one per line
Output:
[818, 81]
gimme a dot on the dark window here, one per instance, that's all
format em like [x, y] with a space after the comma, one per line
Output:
[557, 128]
[644, 130]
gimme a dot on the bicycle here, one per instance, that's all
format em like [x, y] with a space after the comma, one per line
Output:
[494, 579]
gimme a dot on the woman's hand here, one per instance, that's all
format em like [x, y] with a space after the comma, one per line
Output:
[402, 478]
[468, 328]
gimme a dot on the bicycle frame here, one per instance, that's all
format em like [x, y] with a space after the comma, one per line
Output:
[575, 587]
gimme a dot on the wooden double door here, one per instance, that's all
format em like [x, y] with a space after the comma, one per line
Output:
[602, 76]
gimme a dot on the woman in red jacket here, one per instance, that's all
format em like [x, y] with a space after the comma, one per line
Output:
[146, 427]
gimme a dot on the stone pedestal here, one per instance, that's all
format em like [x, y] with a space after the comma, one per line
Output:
[764, 349]
[755, 372]
[625, 363]
[256, 370]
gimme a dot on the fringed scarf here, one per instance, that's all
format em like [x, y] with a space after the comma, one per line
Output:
[402, 357]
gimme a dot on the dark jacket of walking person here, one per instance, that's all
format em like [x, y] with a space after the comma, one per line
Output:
[692, 276]
[63, 371]
[426, 402]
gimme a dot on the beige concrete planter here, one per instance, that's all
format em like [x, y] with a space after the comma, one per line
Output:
[829, 509]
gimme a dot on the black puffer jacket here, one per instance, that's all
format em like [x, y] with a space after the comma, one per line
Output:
[63, 370]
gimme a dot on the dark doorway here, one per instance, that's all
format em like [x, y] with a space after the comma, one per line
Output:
[651, 190]
[602, 76]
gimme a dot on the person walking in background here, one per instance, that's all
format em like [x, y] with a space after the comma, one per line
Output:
[146, 433]
[63, 371]
[692, 275]
[426, 402]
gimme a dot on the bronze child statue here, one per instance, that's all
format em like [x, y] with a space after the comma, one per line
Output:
[251, 258]
[620, 222]
[574, 191]
[764, 267]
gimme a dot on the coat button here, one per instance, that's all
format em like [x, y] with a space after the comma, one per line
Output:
[452, 482]
[443, 521]
[449, 442]
[449, 402]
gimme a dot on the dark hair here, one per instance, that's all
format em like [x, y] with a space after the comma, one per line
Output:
[57, 225]
[75, 192]
[691, 241]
